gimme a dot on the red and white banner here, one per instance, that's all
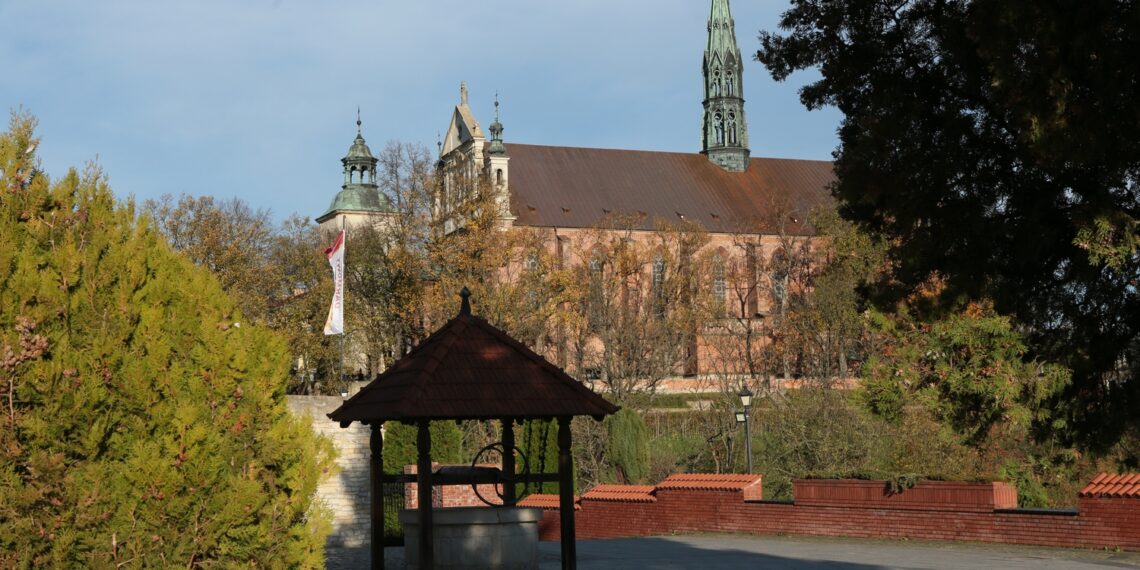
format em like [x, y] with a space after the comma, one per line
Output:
[335, 323]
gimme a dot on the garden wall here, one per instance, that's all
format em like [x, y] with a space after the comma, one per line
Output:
[1107, 513]
[346, 492]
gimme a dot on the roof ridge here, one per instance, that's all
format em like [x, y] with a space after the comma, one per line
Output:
[651, 151]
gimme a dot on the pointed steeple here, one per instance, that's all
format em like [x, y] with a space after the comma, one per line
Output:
[724, 132]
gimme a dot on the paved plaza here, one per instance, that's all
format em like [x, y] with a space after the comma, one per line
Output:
[735, 552]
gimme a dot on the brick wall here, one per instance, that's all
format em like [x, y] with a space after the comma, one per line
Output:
[444, 496]
[930, 511]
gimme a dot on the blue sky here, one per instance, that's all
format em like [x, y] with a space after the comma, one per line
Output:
[257, 98]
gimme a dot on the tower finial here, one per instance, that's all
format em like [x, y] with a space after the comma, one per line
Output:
[462, 92]
[497, 131]
[465, 307]
[358, 120]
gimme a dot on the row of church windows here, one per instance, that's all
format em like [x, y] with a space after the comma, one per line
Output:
[718, 283]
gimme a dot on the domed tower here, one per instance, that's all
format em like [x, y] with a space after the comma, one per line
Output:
[359, 199]
[724, 133]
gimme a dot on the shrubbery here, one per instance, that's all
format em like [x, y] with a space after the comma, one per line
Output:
[143, 424]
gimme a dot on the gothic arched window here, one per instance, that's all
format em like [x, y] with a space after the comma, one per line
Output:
[716, 84]
[729, 84]
[778, 274]
[718, 284]
[718, 126]
[732, 128]
[595, 300]
[658, 283]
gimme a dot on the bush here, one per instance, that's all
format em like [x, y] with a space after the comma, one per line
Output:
[400, 445]
[627, 446]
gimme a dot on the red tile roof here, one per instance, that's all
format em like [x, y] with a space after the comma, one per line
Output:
[622, 493]
[544, 501]
[553, 186]
[1105, 485]
[468, 369]
[709, 482]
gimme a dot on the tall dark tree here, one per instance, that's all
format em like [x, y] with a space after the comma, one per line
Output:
[994, 144]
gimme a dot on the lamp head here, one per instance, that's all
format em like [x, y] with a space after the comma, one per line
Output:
[746, 397]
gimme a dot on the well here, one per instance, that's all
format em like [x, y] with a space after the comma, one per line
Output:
[470, 370]
[476, 538]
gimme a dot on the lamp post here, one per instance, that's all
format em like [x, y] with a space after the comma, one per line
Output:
[746, 401]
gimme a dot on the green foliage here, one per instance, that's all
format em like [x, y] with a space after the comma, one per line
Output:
[968, 369]
[627, 446]
[816, 432]
[993, 146]
[539, 442]
[400, 445]
[141, 426]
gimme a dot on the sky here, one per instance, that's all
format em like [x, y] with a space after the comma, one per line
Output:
[257, 99]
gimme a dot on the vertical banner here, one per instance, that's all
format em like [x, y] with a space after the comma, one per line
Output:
[334, 324]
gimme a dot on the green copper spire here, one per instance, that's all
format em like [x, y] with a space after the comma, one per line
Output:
[724, 132]
[359, 192]
[496, 129]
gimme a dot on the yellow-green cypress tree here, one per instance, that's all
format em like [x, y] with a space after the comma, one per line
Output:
[141, 425]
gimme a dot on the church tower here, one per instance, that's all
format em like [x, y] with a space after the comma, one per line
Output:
[359, 199]
[724, 132]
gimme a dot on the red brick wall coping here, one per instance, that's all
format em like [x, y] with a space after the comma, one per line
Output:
[545, 501]
[621, 493]
[924, 496]
[1105, 485]
[931, 510]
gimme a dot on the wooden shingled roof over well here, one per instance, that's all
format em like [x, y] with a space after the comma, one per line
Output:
[555, 186]
[468, 369]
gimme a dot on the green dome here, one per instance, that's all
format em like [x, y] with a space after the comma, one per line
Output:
[359, 198]
[358, 149]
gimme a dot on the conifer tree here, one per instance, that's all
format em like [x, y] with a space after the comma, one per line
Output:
[143, 424]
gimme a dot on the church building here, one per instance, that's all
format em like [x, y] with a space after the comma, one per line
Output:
[751, 207]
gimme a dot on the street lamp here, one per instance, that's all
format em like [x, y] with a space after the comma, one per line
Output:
[746, 401]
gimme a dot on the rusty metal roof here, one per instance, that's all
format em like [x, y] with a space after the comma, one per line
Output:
[1105, 485]
[554, 186]
[468, 369]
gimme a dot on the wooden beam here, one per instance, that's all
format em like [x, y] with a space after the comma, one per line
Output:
[566, 495]
[423, 488]
[509, 461]
[376, 445]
